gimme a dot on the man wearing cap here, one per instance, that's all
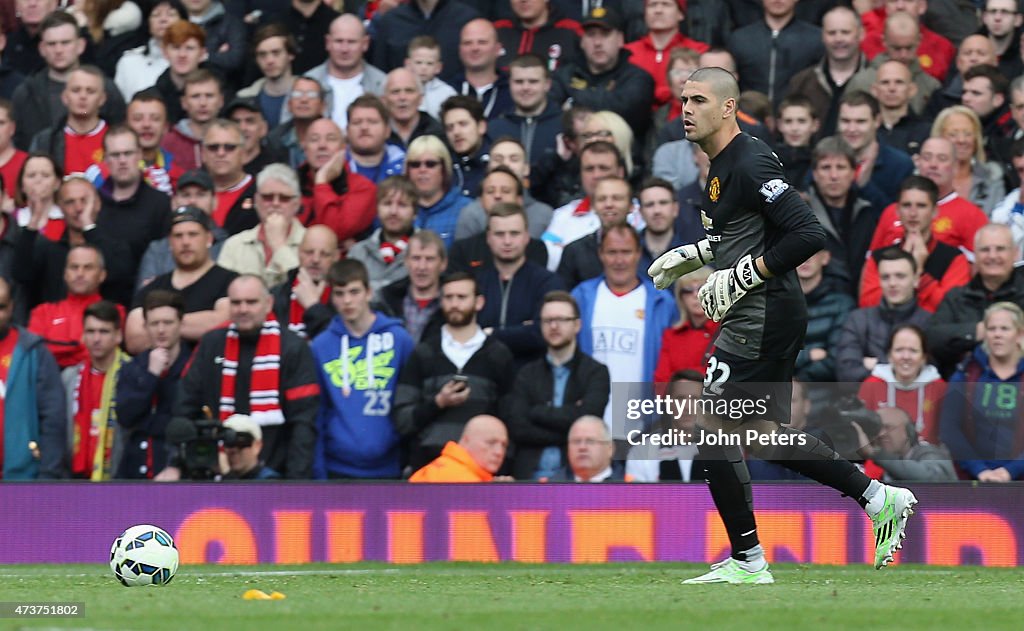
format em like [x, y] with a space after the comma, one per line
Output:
[195, 188]
[202, 283]
[132, 211]
[257, 151]
[604, 79]
[243, 452]
[651, 52]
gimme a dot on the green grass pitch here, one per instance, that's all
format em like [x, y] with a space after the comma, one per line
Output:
[488, 597]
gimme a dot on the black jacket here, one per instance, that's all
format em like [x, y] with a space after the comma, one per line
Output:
[580, 261]
[535, 423]
[31, 101]
[849, 239]
[388, 300]
[509, 306]
[557, 40]
[537, 133]
[144, 403]
[472, 253]
[766, 60]
[394, 30]
[625, 89]
[287, 448]
[952, 327]
[426, 126]
[865, 334]
[827, 309]
[316, 318]
[41, 272]
[416, 415]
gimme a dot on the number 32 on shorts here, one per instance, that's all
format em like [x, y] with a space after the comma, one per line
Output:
[717, 374]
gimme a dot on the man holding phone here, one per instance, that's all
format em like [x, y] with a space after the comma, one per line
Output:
[451, 377]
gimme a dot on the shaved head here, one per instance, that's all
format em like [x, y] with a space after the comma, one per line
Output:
[721, 81]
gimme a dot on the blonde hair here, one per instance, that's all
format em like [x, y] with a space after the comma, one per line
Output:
[433, 146]
[1016, 314]
[979, 138]
[622, 134]
[696, 277]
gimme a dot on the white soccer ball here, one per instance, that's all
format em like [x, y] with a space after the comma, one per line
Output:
[144, 555]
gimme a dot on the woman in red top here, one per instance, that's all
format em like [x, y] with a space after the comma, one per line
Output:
[907, 382]
[685, 344]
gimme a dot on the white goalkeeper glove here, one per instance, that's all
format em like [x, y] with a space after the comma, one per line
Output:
[679, 261]
[724, 287]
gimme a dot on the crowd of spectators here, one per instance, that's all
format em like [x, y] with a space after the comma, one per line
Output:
[392, 238]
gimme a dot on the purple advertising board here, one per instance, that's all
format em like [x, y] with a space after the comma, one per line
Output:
[536, 523]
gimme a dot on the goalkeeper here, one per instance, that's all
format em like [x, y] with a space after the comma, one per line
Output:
[758, 231]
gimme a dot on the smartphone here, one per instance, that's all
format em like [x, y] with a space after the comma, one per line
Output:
[460, 379]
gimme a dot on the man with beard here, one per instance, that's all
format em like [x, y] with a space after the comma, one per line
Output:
[466, 128]
[452, 377]
[383, 252]
[551, 392]
[369, 152]
[301, 301]
[201, 282]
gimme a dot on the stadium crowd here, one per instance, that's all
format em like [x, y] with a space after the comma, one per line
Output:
[384, 239]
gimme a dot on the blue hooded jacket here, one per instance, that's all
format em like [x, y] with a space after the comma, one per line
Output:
[355, 434]
[659, 313]
[985, 433]
[444, 215]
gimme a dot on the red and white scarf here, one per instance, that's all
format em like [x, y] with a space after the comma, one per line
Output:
[265, 383]
[389, 251]
[296, 312]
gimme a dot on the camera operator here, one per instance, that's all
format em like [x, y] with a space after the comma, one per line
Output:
[244, 452]
[254, 354]
[900, 454]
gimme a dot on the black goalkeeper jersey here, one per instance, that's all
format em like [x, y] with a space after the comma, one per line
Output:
[749, 208]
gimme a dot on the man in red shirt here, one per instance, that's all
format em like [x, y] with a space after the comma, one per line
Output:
[11, 158]
[651, 52]
[942, 266]
[934, 52]
[331, 194]
[234, 188]
[956, 219]
[60, 323]
[89, 387]
[76, 142]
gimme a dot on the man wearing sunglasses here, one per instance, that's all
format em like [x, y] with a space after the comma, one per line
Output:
[233, 187]
[271, 248]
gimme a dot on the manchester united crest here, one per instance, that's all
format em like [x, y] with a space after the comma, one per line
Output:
[714, 189]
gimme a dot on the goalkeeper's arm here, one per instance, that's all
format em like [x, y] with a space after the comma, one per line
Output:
[680, 261]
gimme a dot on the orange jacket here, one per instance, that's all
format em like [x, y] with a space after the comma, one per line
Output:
[453, 465]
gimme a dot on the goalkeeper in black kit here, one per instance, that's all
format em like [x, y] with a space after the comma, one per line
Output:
[758, 231]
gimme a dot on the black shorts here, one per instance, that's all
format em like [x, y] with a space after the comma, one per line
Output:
[749, 389]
